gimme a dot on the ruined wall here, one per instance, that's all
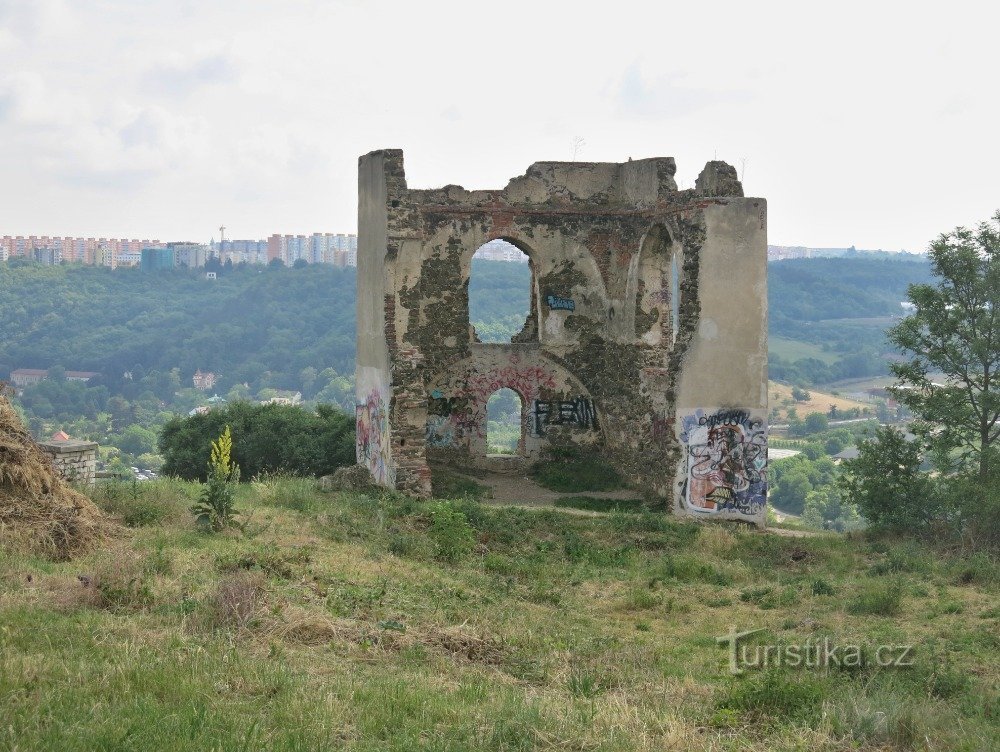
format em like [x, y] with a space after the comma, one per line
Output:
[75, 461]
[647, 305]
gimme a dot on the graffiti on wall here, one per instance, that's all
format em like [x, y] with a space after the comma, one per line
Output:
[726, 461]
[579, 412]
[560, 304]
[371, 415]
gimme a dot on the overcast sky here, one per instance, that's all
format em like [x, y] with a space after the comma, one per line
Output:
[861, 125]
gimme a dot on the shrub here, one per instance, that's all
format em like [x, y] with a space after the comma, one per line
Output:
[451, 533]
[822, 587]
[886, 484]
[131, 501]
[267, 439]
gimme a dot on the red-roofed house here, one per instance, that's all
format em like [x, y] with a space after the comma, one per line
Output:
[60, 436]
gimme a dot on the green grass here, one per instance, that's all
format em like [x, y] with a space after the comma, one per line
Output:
[594, 504]
[339, 621]
[573, 472]
[793, 349]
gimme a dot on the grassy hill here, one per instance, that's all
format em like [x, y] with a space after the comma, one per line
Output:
[335, 621]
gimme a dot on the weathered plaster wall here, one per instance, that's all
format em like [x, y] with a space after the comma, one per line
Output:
[644, 300]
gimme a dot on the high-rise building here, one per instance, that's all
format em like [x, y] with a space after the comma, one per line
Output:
[156, 259]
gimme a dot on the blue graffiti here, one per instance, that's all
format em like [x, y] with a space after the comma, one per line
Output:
[562, 304]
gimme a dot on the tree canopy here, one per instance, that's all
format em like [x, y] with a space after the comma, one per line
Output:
[955, 330]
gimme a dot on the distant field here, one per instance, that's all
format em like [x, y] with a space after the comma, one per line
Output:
[793, 349]
[819, 402]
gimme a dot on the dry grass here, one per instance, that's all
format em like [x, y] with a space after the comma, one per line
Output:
[39, 512]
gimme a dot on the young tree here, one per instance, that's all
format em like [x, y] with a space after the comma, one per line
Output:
[955, 330]
[886, 485]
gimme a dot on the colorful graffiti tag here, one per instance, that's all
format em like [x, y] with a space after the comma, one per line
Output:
[372, 426]
[726, 461]
[579, 412]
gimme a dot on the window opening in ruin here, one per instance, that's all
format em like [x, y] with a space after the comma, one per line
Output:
[504, 424]
[499, 291]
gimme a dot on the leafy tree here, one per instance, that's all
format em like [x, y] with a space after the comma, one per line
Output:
[791, 491]
[825, 509]
[955, 330]
[800, 395]
[816, 423]
[886, 484]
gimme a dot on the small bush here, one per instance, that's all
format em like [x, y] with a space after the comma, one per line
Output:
[132, 501]
[877, 600]
[451, 533]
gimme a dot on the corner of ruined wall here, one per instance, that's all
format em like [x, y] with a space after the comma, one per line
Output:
[373, 384]
[721, 393]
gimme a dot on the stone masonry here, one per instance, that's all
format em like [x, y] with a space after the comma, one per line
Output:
[75, 461]
[646, 342]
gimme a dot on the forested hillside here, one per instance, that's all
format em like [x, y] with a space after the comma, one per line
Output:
[262, 326]
[828, 315]
[277, 328]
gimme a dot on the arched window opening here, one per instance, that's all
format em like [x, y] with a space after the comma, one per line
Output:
[504, 423]
[500, 292]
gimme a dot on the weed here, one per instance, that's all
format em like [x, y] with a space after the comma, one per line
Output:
[572, 471]
[822, 587]
[451, 533]
[122, 583]
[774, 695]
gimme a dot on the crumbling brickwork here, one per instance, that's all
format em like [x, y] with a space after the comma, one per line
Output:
[646, 340]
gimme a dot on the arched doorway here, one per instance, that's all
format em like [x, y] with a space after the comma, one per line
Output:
[505, 423]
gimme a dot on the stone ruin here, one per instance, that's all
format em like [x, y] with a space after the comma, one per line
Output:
[646, 342]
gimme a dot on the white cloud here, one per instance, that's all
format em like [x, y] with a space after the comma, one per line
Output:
[163, 116]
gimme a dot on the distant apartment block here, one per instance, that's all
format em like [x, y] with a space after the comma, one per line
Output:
[319, 248]
[156, 259]
[56, 250]
[337, 249]
[501, 250]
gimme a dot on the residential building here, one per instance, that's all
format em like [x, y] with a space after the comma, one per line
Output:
[156, 259]
[203, 381]
[23, 377]
[191, 255]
